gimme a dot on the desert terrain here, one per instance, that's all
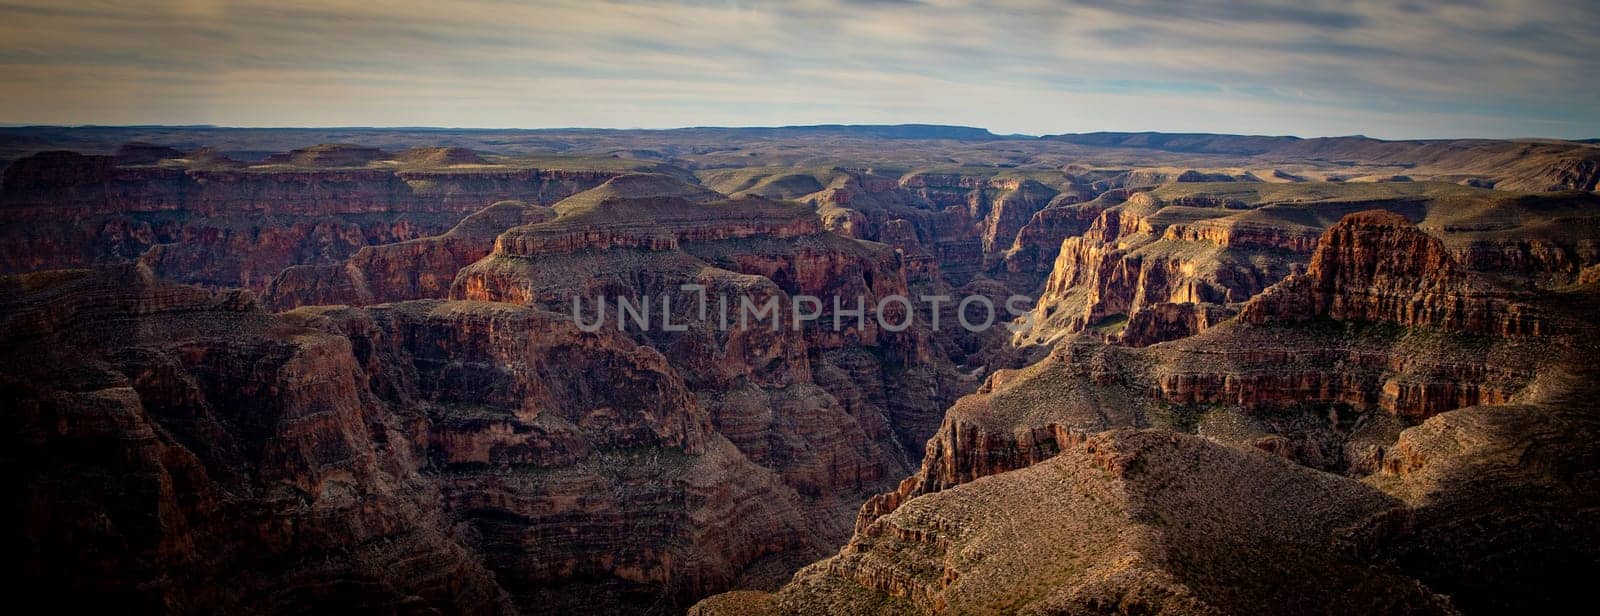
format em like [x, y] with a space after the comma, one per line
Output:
[290, 370]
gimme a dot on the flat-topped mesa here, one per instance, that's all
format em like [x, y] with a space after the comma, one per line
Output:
[654, 213]
[315, 181]
[329, 155]
[1378, 266]
[440, 156]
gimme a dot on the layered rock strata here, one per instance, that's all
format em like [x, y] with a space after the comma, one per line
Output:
[239, 227]
[1194, 257]
[1465, 510]
[197, 454]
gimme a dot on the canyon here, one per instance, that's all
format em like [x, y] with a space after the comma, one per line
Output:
[253, 373]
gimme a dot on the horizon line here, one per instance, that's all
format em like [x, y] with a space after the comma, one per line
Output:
[7, 125]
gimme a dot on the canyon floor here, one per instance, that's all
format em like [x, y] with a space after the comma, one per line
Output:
[290, 370]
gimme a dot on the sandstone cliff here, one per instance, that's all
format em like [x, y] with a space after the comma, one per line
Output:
[1505, 429]
[831, 411]
[175, 451]
[197, 454]
[1194, 254]
[1377, 266]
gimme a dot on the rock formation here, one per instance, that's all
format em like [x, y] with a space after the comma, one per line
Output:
[415, 455]
[1012, 509]
[1377, 266]
[1195, 257]
[240, 227]
[1251, 390]
[420, 268]
[830, 410]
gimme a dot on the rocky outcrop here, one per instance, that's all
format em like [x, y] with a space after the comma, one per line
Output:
[1377, 266]
[1137, 255]
[1169, 321]
[1590, 275]
[1177, 245]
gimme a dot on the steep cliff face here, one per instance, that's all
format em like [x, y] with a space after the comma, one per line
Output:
[1216, 247]
[831, 410]
[1146, 252]
[1378, 266]
[1039, 241]
[414, 456]
[171, 450]
[610, 490]
[1464, 510]
[1327, 392]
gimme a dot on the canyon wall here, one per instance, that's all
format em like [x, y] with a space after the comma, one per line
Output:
[421, 455]
[241, 226]
[1332, 384]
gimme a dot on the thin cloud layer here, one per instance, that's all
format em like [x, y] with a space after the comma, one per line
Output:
[1492, 68]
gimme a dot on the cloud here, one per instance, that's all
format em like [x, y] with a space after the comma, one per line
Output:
[1477, 68]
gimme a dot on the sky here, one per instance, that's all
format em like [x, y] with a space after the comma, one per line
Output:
[1488, 68]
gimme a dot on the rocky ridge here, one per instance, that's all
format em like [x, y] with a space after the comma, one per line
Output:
[1338, 395]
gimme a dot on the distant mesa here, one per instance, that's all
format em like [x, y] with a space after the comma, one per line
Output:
[440, 157]
[637, 186]
[141, 153]
[212, 157]
[329, 155]
[880, 131]
[1245, 145]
